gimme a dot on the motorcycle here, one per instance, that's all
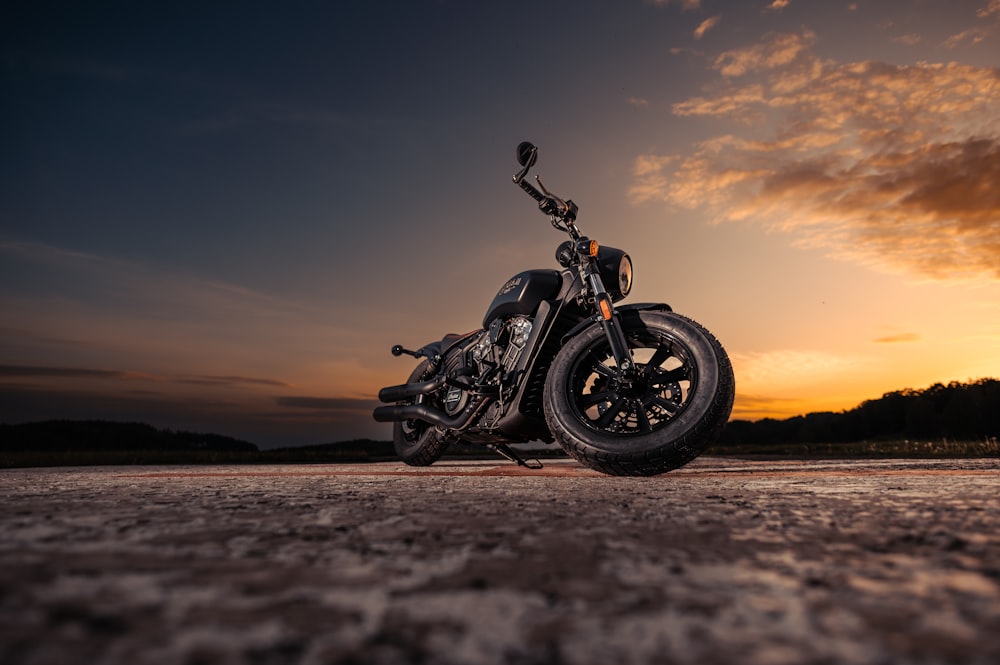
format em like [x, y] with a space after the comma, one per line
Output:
[631, 390]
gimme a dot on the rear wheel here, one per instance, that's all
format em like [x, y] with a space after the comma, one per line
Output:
[673, 407]
[418, 443]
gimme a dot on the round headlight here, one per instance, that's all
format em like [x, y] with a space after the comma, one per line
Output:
[616, 271]
[625, 275]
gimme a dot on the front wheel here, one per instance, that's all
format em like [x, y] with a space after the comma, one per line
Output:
[661, 417]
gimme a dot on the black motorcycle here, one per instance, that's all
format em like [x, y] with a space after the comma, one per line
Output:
[631, 390]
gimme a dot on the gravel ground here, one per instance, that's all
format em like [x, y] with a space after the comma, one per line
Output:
[723, 561]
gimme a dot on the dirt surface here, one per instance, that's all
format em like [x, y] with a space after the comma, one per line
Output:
[723, 561]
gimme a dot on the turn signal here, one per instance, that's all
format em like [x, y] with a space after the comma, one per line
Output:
[605, 305]
[587, 247]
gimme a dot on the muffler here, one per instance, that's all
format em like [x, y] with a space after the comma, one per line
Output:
[400, 412]
[407, 390]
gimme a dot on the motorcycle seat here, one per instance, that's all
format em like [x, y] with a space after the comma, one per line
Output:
[451, 339]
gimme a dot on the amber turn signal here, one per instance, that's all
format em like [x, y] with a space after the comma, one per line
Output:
[605, 304]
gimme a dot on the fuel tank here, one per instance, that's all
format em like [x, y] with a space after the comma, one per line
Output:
[522, 293]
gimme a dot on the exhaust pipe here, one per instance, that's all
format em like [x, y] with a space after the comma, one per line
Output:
[407, 390]
[389, 414]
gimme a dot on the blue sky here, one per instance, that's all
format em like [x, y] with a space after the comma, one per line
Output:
[220, 216]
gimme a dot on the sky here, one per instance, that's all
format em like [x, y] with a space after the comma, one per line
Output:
[220, 216]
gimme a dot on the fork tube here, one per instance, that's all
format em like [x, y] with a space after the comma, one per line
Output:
[610, 322]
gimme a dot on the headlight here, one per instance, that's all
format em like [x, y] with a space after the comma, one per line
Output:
[616, 271]
[625, 275]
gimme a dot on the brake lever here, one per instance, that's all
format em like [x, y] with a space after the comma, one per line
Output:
[560, 204]
[564, 208]
[541, 186]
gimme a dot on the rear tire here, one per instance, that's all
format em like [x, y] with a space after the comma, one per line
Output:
[676, 407]
[416, 442]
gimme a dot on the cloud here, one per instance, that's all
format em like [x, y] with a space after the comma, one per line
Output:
[972, 35]
[895, 339]
[891, 166]
[989, 23]
[234, 380]
[705, 26]
[686, 5]
[786, 369]
[32, 371]
[776, 51]
[349, 404]
[56, 372]
[991, 9]
[751, 407]
[248, 418]
[777, 5]
[637, 102]
[908, 40]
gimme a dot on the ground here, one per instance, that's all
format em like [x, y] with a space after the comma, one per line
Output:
[723, 561]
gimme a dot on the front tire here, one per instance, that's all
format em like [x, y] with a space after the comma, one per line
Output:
[417, 442]
[674, 407]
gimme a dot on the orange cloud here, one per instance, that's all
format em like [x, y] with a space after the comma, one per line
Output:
[895, 339]
[753, 407]
[989, 23]
[705, 26]
[776, 51]
[891, 166]
[991, 9]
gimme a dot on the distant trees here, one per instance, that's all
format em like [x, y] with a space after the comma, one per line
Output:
[963, 411]
[72, 435]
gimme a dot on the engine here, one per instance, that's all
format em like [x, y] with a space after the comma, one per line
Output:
[500, 347]
[490, 362]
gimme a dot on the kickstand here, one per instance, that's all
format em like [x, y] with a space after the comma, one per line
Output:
[510, 454]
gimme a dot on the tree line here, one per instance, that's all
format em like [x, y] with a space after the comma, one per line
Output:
[959, 411]
[72, 435]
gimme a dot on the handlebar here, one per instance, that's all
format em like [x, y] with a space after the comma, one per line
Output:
[531, 191]
[548, 203]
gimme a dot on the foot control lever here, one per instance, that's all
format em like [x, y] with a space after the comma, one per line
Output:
[509, 453]
[398, 350]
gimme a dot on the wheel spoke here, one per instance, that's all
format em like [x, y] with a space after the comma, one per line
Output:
[673, 376]
[668, 406]
[642, 419]
[593, 362]
[603, 370]
[588, 401]
[662, 353]
[609, 416]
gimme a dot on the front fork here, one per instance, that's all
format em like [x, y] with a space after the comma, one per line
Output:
[610, 322]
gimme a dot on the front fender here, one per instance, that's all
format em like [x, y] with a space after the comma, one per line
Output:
[622, 311]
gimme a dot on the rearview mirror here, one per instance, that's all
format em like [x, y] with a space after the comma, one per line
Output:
[527, 153]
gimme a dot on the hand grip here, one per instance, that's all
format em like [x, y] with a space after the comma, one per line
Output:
[532, 192]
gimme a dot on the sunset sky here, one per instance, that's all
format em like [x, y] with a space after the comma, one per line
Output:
[220, 216]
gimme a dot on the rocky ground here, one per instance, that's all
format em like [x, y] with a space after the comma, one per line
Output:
[724, 561]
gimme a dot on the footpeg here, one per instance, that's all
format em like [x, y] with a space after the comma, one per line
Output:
[398, 350]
